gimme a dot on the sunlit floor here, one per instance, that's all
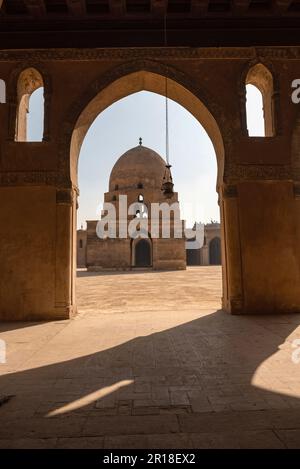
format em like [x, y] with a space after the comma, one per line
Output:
[151, 361]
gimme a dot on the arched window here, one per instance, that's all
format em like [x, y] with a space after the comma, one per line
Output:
[2, 92]
[260, 114]
[35, 121]
[141, 198]
[30, 109]
[254, 112]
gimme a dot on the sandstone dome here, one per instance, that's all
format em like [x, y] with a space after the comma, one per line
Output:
[139, 165]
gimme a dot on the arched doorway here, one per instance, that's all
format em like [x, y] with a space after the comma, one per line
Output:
[142, 253]
[215, 251]
[148, 76]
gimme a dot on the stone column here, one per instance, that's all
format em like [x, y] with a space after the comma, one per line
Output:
[64, 253]
[233, 301]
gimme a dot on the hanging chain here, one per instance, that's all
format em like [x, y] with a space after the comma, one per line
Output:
[167, 123]
[166, 94]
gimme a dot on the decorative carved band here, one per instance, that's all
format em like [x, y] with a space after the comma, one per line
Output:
[233, 173]
[258, 172]
[64, 197]
[127, 54]
[174, 53]
[34, 178]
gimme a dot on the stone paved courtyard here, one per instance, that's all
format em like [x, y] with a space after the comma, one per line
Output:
[151, 361]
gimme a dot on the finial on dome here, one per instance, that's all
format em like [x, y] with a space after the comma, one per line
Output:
[140, 141]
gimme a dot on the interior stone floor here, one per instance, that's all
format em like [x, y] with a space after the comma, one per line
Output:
[151, 361]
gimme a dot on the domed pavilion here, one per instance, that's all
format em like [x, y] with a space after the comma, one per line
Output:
[141, 175]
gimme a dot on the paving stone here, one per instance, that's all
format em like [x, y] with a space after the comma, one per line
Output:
[221, 421]
[290, 438]
[126, 442]
[80, 443]
[28, 443]
[179, 398]
[126, 371]
[129, 425]
[199, 402]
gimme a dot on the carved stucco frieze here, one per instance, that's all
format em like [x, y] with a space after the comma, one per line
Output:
[173, 53]
[233, 174]
[65, 196]
[35, 178]
[239, 172]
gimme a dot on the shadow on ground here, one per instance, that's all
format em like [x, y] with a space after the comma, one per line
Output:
[189, 386]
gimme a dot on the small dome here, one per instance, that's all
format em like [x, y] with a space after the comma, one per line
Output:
[137, 166]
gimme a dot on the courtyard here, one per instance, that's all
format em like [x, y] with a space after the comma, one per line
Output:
[151, 361]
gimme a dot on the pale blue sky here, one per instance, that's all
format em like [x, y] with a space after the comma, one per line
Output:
[142, 114]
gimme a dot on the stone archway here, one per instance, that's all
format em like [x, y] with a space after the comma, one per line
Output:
[121, 82]
[129, 78]
[142, 253]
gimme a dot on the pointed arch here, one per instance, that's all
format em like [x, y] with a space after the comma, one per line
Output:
[29, 81]
[141, 252]
[124, 80]
[13, 93]
[129, 78]
[261, 77]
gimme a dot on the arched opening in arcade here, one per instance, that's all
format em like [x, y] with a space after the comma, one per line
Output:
[145, 85]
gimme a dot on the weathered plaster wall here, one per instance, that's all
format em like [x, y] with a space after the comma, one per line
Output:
[27, 252]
